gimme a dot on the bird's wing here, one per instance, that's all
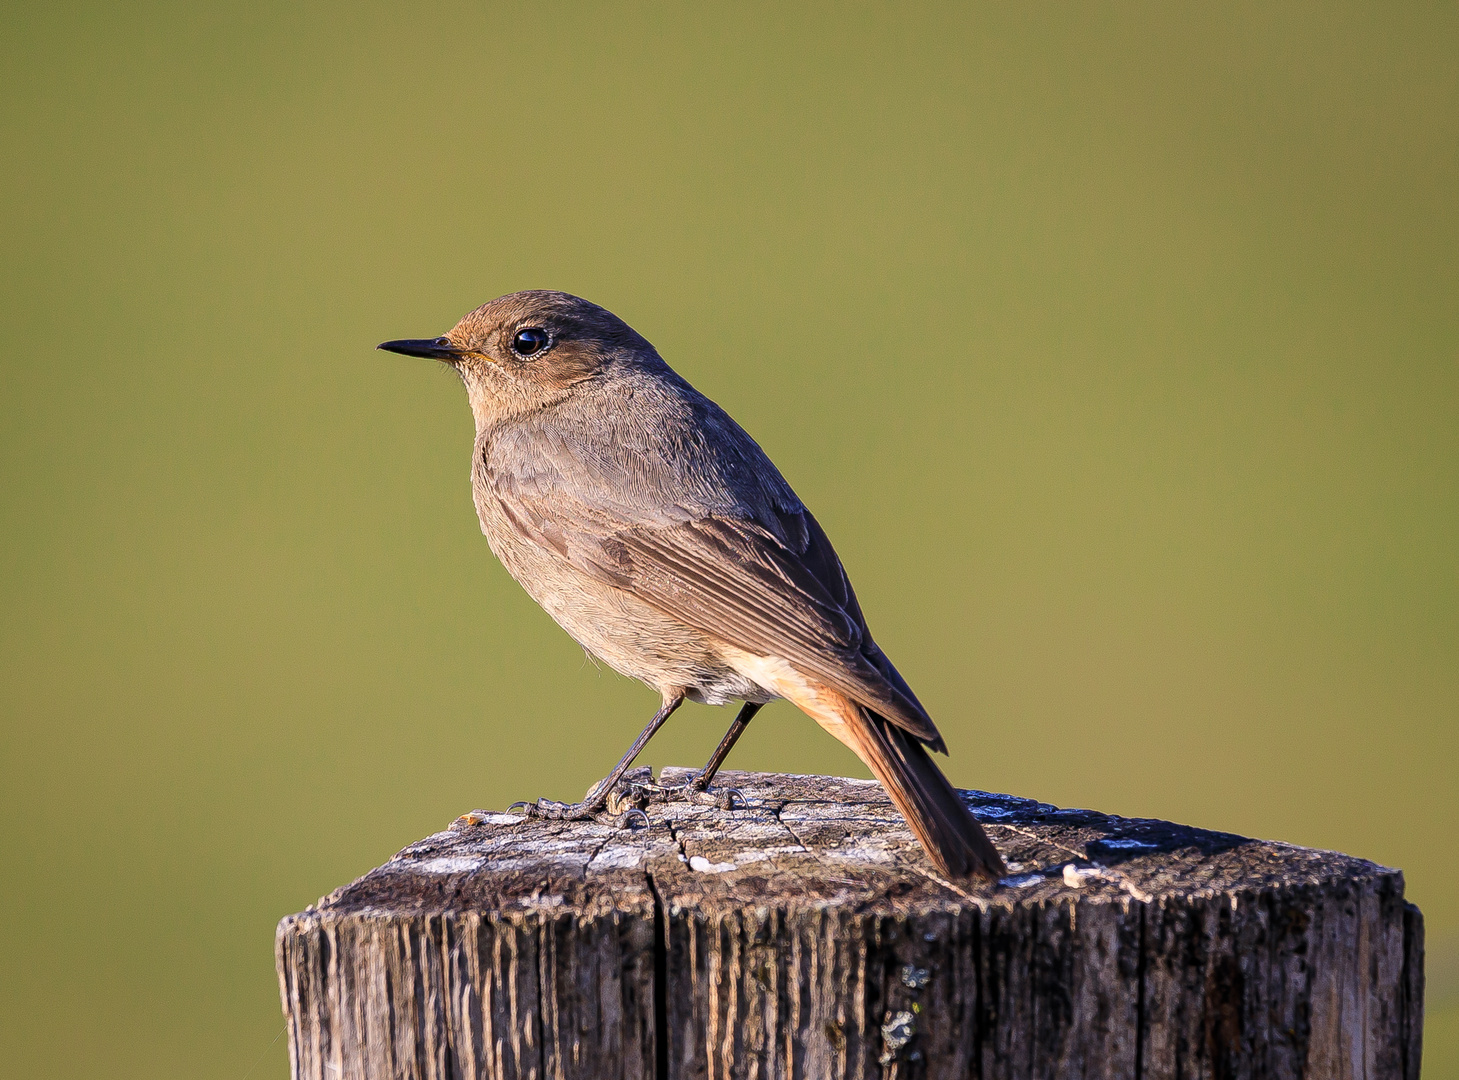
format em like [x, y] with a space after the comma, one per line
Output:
[773, 589]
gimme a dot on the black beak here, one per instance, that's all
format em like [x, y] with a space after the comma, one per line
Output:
[431, 348]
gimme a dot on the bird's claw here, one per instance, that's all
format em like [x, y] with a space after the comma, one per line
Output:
[629, 817]
[626, 797]
[726, 798]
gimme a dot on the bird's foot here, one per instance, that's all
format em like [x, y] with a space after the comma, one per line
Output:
[696, 792]
[622, 805]
[552, 810]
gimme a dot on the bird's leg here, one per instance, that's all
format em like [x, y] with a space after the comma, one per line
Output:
[597, 796]
[702, 778]
[699, 783]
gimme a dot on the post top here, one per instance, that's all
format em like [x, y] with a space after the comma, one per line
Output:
[813, 841]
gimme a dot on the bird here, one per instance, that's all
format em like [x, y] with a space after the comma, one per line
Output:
[661, 537]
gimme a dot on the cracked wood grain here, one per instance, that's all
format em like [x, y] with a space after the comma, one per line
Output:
[805, 935]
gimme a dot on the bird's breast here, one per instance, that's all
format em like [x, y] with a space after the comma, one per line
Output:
[612, 624]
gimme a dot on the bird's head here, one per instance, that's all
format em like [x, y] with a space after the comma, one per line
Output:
[529, 349]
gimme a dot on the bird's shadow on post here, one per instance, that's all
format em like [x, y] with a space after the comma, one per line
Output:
[1086, 838]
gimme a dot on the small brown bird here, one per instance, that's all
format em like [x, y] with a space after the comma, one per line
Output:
[659, 535]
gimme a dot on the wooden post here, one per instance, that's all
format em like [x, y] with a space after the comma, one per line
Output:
[806, 935]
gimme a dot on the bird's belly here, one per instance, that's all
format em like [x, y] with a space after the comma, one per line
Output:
[630, 636]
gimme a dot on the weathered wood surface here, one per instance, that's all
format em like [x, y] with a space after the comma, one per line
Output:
[807, 936]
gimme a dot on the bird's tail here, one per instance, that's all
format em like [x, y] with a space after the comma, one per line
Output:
[954, 840]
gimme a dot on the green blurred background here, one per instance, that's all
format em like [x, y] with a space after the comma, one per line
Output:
[1116, 346]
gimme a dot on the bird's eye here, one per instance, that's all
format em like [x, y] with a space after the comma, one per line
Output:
[530, 341]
